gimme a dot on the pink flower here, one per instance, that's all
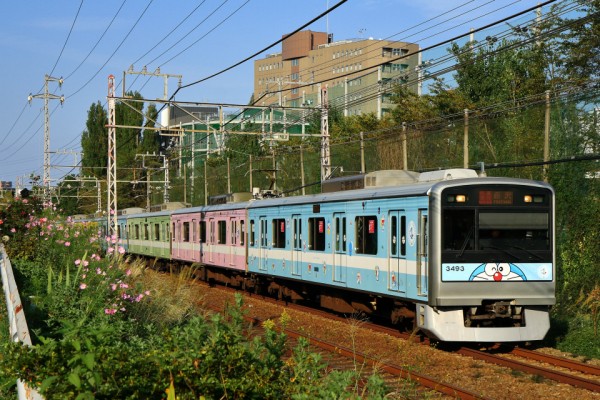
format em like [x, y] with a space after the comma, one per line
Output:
[128, 272]
[147, 293]
[13, 230]
[77, 262]
[121, 250]
[82, 286]
[86, 263]
[109, 311]
[83, 276]
[113, 286]
[110, 250]
[67, 244]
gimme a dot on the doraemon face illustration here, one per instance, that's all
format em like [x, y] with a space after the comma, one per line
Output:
[497, 272]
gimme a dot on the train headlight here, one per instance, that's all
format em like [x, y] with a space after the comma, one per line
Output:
[457, 198]
[528, 198]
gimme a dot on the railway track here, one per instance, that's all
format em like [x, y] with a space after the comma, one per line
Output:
[578, 375]
[548, 373]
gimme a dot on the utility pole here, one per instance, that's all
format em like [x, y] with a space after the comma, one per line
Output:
[325, 153]
[47, 96]
[165, 182]
[144, 71]
[112, 159]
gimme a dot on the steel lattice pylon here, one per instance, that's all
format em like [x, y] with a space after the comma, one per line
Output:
[112, 159]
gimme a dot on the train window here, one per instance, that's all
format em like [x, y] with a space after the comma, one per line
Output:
[394, 236]
[509, 231]
[194, 231]
[366, 234]
[242, 233]
[403, 235]
[263, 233]
[137, 231]
[119, 231]
[316, 234]
[202, 231]
[156, 232]
[222, 238]
[278, 226]
[458, 229]
[186, 232]
[251, 232]
[233, 232]
[146, 233]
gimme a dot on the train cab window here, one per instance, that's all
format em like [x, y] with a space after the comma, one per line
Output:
[366, 234]
[156, 232]
[278, 229]
[222, 226]
[251, 236]
[186, 232]
[458, 230]
[316, 234]
[202, 231]
[242, 233]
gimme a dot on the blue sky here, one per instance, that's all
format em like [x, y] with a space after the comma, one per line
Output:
[33, 43]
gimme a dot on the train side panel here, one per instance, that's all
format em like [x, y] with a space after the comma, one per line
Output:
[150, 235]
[367, 245]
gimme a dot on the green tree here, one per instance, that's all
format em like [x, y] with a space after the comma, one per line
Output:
[94, 142]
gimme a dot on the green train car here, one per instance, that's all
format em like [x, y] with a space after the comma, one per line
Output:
[149, 234]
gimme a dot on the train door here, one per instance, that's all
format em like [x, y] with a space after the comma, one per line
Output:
[212, 228]
[296, 245]
[195, 255]
[233, 240]
[340, 254]
[422, 252]
[397, 251]
[177, 238]
[264, 240]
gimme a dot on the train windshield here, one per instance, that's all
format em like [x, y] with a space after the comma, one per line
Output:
[509, 232]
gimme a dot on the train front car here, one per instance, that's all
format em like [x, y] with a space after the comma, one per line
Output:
[491, 262]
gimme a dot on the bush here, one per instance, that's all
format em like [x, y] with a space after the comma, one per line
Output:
[105, 329]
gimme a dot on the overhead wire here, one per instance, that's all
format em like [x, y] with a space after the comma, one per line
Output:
[67, 39]
[98, 41]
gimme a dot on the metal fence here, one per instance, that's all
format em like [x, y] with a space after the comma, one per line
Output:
[16, 319]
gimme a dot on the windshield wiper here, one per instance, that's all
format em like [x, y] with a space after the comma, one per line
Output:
[464, 245]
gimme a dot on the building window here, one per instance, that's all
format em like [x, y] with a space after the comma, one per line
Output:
[295, 91]
[295, 76]
[295, 62]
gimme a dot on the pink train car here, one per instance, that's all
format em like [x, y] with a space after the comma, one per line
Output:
[208, 236]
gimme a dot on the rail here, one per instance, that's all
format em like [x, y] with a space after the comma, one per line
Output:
[16, 319]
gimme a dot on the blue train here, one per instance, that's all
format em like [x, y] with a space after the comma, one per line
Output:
[463, 258]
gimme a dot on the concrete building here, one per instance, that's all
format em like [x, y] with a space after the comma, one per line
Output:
[359, 73]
